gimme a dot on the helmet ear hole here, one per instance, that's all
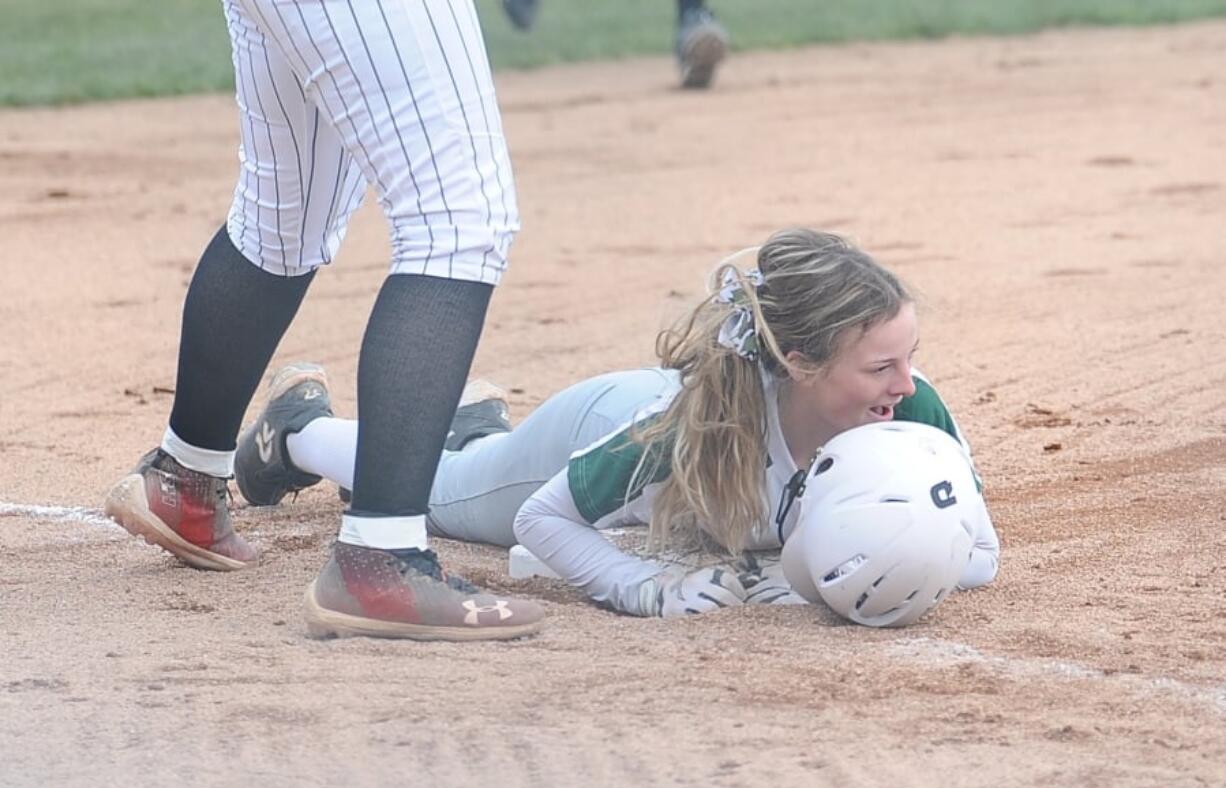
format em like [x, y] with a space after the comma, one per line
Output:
[870, 496]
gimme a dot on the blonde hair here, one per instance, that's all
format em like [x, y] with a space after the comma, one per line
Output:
[817, 289]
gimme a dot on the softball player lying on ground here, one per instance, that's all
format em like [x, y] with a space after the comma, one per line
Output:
[711, 447]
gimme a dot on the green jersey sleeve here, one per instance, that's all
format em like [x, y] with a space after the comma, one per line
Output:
[605, 476]
[925, 406]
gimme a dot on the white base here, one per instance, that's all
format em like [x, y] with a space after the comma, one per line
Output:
[523, 563]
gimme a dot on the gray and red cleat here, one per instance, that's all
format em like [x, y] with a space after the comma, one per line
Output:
[405, 594]
[180, 510]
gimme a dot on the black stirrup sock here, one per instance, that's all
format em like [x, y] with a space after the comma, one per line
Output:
[416, 353]
[234, 317]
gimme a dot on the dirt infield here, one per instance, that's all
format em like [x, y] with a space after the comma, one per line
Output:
[1060, 202]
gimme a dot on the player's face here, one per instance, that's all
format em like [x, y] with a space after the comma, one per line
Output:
[867, 378]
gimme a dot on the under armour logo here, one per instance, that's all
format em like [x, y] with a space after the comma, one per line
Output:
[311, 393]
[472, 617]
[263, 442]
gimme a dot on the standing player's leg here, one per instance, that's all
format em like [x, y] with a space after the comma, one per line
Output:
[296, 189]
[407, 87]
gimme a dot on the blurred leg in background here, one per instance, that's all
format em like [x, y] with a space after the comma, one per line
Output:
[700, 41]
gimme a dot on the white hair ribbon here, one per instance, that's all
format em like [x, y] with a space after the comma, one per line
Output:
[738, 331]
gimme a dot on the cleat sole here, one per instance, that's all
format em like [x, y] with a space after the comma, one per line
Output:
[323, 624]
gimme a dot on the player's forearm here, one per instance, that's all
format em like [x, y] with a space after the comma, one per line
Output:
[549, 524]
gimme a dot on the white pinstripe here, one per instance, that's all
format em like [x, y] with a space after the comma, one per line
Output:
[335, 94]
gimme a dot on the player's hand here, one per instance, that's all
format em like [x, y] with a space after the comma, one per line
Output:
[762, 578]
[700, 591]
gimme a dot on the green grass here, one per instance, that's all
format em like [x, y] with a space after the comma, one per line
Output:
[59, 51]
[55, 51]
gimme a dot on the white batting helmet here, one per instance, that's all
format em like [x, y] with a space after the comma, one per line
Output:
[886, 524]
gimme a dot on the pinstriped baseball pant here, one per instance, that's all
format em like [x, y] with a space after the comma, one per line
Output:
[336, 96]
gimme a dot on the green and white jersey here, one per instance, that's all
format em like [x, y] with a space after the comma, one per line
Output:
[559, 522]
[600, 477]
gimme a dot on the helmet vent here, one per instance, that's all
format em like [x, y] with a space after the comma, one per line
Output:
[844, 569]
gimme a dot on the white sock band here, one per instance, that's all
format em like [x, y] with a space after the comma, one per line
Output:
[385, 533]
[210, 461]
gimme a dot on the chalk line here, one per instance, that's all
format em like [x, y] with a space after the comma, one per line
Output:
[61, 514]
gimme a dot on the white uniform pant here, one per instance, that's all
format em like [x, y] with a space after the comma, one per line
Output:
[336, 95]
[478, 491]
